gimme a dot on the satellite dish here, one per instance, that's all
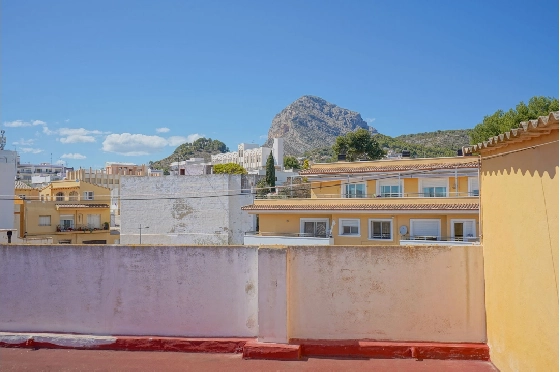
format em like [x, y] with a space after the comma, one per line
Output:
[403, 230]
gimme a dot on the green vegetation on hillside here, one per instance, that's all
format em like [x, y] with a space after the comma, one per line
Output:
[359, 144]
[201, 148]
[501, 122]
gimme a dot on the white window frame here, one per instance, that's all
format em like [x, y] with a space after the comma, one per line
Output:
[463, 220]
[302, 222]
[341, 226]
[472, 180]
[344, 194]
[413, 220]
[88, 195]
[439, 182]
[67, 217]
[44, 223]
[389, 182]
[370, 230]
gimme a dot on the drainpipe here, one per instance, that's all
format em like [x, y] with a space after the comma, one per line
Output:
[456, 183]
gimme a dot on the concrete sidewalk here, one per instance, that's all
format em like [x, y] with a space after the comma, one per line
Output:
[105, 360]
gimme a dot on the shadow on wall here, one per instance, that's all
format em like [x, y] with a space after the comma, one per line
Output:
[524, 161]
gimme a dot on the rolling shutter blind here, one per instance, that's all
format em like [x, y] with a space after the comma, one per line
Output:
[424, 227]
[468, 229]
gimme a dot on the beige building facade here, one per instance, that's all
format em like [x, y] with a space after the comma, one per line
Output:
[519, 199]
[69, 212]
[398, 201]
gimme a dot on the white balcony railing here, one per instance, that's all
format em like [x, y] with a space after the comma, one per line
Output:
[269, 238]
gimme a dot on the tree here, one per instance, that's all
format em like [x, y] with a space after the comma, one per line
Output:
[270, 172]
[291, 162]
[359, 144]
[262, 187]
[297, 187]
[229, 168]
[501, 122]
[306, 164]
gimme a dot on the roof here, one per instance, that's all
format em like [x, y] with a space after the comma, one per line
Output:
[391, 168]
[22, 185]
[525, 131]
[362, 207]
[82, 206]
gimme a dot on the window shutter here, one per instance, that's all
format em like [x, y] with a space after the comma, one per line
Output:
[424, 227]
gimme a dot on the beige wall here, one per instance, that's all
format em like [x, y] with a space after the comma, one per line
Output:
[519, 198]
[387, 293]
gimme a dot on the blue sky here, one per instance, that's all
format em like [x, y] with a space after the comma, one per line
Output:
[128, 81]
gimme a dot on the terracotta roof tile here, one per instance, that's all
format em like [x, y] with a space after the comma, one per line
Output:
[390, 168]
[22, 185]
[361, 207]
[543, 123]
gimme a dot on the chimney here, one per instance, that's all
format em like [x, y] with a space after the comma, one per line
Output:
[341, 157]
[405, 153]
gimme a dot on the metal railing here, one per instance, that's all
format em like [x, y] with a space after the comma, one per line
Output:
[374, 196]
[293, 235]
[441, 238]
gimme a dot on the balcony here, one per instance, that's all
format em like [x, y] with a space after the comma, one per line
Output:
[81, 228]
[437, 240]
[274, 238]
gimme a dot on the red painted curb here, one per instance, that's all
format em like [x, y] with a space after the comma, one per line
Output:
[256, 350]
[141, 343]
[392, 350]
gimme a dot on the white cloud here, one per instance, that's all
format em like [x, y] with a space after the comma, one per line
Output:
[31, 150]
[60, 162]
[23, 142]
[21, 123]
[193, 137]
[263, 136]
[74, 135]
[133, 144]
[67, 120]
[176, 140]
[162, 130]
[370, 120]
[75, 155]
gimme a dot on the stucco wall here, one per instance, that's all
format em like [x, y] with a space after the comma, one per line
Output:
[7, 188]
[519, 199]
[115, 290]
[203, 210]
[387, 293]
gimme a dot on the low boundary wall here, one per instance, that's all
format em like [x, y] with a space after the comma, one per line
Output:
[276, 294]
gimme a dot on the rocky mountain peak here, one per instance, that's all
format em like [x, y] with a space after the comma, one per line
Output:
[311, 122]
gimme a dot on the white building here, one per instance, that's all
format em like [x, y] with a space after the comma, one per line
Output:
[8, 162]
[190, 167]
[253, 158]
[41, 174]
[202, 210]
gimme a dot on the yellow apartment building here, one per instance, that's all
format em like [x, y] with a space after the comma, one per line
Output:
[71, 212]
[391, 201]
[519, 200]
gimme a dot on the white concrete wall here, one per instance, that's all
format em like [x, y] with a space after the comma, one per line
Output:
[387, 293]
[326, 292]
[115, 290]
[200, 210]
[7, 188]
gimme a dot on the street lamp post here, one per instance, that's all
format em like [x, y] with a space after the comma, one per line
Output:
[140, 228]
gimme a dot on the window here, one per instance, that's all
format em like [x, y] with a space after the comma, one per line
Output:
[463, 230]
[349, 227]
[88, 195]
[389, 188]
[59, 196]
[73, 196]
[380, 229]
[434, 187]
[94, 221]
[425, 229]
[473, 186]
[44, 220]
[314, 227]
[354, 190]
[67, 222]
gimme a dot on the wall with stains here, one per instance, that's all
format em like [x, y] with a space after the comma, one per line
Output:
[274, 293]
[392, 293]
[200, 210]
[116, 290]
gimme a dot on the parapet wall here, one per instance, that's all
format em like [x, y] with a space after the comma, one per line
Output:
[277, 293]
